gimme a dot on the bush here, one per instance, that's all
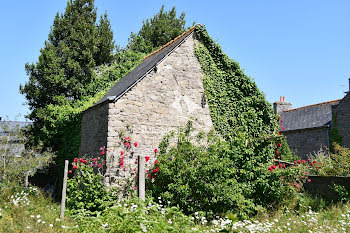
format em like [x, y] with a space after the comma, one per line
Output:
[17, 161]
[206, 173]
[86, 191]
[336, 163]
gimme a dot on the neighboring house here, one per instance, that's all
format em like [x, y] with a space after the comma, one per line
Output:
[307, 128]
[8, 137]
[162, 93]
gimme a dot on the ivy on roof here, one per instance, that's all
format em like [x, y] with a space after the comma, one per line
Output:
[237, 106]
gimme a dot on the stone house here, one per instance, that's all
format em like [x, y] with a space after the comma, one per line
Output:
[159, 95]
[307, 128]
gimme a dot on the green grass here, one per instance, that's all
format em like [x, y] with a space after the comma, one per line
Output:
[33, 212]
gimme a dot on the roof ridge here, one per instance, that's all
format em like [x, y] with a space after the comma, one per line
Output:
[170, 42]
[311, 105]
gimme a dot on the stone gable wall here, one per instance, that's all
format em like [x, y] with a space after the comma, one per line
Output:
[94, 127]
[165, 99]
[342, 114]
[306, 142]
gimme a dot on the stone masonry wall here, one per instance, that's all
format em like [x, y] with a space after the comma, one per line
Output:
[342, 114]
[164, 100]
[305, 142]
[94, 127]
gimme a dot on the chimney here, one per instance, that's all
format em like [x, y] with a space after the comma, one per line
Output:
[282, 105]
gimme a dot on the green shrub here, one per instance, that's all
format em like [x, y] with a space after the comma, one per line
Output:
[17, 161]
[215, 176]
[87, 193]
[336, 163]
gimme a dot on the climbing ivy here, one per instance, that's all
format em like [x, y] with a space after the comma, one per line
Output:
[334, 136]
[236, 104]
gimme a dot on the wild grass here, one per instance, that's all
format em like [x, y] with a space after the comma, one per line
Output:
[31, 211]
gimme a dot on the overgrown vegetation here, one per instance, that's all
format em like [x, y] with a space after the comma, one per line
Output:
[336, 163]
[17, 162]
[208, 174]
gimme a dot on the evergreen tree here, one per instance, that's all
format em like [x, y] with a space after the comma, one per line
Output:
[157, 31]
[76, 44]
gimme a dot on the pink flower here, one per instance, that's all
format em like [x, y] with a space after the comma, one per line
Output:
[127, 144]
[99, 165]
[98, 158]
[156, 162]
[121, 153]
[74, 167]
[95, 159]
[103, 151]
[127, 139]
[309, 180]
[282, 128]
[303, 161]
[75, 160]
[156, 170]
[70, 171]
[147, 158]
[277, 152]
[85, 161]
[134, 169]
[280, 165]
[135, 144]
[155, 150]
[279, 145]
[81, 160]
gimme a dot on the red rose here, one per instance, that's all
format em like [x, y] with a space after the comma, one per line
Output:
[121, 153]
[99, 165]
[279, 145]
[277, 152]
[75, 160]
[127, 139]
[127, 144]
[70, 171]
[280, 165]
[282, 128]
[103, 151]
[156, 162]
[147, 158]
[279, 132]
[309, 180]
[81, 160]
[299, 161]
[155, 150]
[135, 144]
[74, 167]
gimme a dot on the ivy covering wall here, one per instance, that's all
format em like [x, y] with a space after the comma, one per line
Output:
[237, 106]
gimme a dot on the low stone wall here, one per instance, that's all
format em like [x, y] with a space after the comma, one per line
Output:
[323, 185]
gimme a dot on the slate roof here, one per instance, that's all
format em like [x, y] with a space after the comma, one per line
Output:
[150, 61]
[311, 116]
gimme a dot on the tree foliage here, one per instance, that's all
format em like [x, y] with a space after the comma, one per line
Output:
[75, 45]
[157, 31]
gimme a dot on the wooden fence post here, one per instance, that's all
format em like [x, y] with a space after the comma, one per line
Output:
[64, 189]
[26, 180]
[141, 173]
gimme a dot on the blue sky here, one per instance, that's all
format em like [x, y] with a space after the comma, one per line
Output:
[298, 49]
